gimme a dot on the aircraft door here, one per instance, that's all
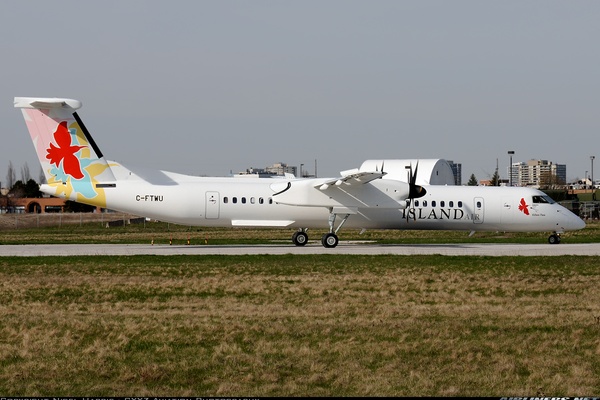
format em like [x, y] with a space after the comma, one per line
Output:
[478, 210]
[212, 201]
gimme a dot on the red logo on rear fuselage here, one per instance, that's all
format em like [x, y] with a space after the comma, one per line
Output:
[65, 152]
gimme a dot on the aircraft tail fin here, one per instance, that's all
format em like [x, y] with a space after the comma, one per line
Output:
[73, 164]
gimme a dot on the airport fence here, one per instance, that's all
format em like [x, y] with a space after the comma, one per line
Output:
[105, 219]
[587, 210]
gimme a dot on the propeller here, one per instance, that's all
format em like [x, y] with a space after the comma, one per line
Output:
[414, 191]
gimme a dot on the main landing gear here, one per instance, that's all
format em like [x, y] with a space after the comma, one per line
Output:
[300, 238]
[328, 240]
[554, 238]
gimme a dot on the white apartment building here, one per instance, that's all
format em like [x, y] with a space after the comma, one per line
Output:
[537, 173]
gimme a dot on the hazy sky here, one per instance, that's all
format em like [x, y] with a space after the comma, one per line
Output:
[205, 87]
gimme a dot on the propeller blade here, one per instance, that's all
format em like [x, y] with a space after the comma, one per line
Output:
[414, 191]
[414, 177]
[411, 203]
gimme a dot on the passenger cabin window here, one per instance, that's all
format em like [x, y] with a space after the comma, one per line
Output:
[225, 200]
[234, 200]
[424, 203]
[460, 204]
[442, 203]
[432, 203]
[451, 203]
[243, 200]
[416, 203]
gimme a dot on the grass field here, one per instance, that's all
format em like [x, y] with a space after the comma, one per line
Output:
[311, 325]
[292, 326]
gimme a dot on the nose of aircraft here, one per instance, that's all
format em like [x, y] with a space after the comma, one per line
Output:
[570, 221]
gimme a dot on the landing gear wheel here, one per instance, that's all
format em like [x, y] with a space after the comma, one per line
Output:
[329, 240]
[554, 239]
[300, 238]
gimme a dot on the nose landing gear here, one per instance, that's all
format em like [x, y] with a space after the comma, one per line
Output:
[554, 238]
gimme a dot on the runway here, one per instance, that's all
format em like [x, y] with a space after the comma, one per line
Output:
[487, 249]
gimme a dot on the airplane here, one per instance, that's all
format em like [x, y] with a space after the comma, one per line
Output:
[361, 198]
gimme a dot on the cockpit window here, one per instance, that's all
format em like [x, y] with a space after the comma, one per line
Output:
[543, 199]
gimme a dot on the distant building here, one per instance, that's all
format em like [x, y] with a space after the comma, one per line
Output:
[537, 173]
[488, 182]
[40, 205]
[457, 171]
[277, 169]
[254, 173]
[281, 169]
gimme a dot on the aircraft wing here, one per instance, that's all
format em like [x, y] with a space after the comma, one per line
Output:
[351, 177]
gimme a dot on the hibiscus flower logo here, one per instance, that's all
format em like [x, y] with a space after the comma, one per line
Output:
[524, 207]
[65, 152]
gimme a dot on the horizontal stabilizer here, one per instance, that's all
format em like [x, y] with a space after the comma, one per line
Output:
[46, 103]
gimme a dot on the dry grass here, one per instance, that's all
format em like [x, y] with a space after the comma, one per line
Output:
[300, 326]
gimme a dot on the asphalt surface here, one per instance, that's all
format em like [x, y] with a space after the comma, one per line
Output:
[487, 249]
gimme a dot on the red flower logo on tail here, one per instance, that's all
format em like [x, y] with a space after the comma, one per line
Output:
[65, 152]
[524, 207]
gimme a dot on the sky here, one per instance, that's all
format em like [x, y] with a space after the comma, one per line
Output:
[209, 87]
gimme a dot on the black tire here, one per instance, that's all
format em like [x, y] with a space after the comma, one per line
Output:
[554, 239]
[329, 240]
[300, 238]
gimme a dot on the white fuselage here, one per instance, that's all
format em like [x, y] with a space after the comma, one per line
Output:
[226, 202]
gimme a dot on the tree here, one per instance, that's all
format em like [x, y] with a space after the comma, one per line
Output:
[472, 181]
[17, 190]
[25, 174]
[30, 189]
[495, 181]
[42, 176]
[11, 176]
